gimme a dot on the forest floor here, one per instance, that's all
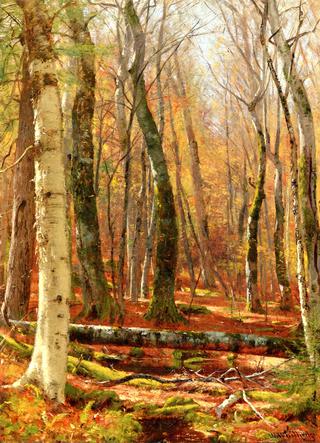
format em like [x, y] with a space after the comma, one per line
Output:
[271, 406]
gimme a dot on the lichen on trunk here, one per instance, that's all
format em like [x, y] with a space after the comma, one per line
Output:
[97, 299]
[162, 307]
[253, 299]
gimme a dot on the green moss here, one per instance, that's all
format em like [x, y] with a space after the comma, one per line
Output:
[136, 352]
[193, 309]
[105, 398]
[231, 359]
[268, 396]
[23, 349]
[201, 421]
[77, 350]
[93, 370]
[263, 435]
[194, 363]
[178, 401]
[181, 410]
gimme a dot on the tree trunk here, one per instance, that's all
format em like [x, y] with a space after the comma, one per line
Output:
[230, 188]
[4, 209]
[49, 359]
[307, 166]
[310, 328]
[134, 263]
[97, 300]
[243, 214]
[182, 216]
[162, 307]
[197, 182]
[21, 254]
[149, 249]
[253, 299]
[209, 340]
[124, 131]
[152, 224]
[279, 248]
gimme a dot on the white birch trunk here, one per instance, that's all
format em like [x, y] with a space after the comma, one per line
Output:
[48, 364]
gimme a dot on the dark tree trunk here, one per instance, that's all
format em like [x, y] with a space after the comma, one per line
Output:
[253, 299]
[22, 245]
[162, 307]
[96, 295]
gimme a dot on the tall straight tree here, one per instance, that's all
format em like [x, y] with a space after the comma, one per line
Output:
[162, 307]
[49, 359]
[279, 248]
[307, 160]
[21, 254]
[304, 208]
[98, 302]
[124, 130]
[208, 267]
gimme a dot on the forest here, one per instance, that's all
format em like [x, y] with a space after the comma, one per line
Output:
[160, 234]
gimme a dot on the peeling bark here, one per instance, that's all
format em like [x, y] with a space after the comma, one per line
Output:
[49, 359]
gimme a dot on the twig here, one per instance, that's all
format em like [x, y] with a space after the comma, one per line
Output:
[230, 401]
[246, 400]
[2, 171]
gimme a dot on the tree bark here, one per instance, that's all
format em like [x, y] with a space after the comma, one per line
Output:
[182, 216]
[124, 131]
[308, 326]
[279, 249]
[243, 214]
[135, 262]
[253, 299]
[307, 164]
[49, 359]
[162, 307]
[97, 299]
[210, 340]
[4, 210]
[21, 254]
[149, 249]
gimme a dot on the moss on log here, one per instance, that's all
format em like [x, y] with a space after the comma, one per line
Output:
[82, 367]
[80, 351]
[211, 340]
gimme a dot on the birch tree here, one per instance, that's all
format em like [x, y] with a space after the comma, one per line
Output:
[307, 160]
[48, 363]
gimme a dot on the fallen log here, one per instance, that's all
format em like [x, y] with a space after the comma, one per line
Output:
[212, 340]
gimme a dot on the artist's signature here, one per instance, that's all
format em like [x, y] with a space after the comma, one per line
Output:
[288, 435]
